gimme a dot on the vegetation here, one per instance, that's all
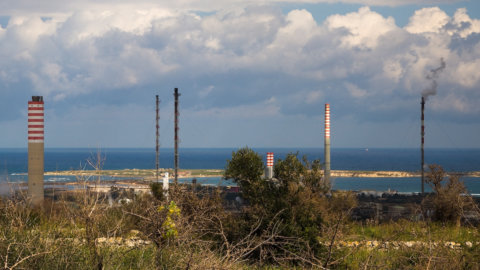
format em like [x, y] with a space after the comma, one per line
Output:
[293, 221]
[448, 199]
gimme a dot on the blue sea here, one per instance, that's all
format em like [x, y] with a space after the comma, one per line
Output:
[13, 163]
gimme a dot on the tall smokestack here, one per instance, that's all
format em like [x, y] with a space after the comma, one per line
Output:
[327, 142]
[176, 95]
[35, 149]
[429, 91]
[422, 132]
[157, 136]
[269, 169]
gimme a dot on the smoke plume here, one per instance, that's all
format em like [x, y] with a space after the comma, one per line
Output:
[432, 76]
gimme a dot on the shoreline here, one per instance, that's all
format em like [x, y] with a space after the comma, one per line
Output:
[149, 174]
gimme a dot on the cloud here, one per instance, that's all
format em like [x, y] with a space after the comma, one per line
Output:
[355, 91]
[229, 63]
[427, 20]
[313, 97]
[391, 3]
[60, 7]
[363, 27]
[206, 91]
[466, 74]
[264, 109]
[118, 49]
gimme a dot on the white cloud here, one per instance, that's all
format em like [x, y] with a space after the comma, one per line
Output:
[393, 69]
[427, 20]
[464, 24]
[118, 48]
[56, 7]
[467, 73]
[364, 27]
[435, 20]
[235, 57]
[299, 28]
[391, 3]
[23, 32]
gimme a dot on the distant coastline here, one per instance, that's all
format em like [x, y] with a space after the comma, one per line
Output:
[139, 163]
[150, 174]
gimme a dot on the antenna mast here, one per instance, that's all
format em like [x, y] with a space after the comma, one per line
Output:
[176, 95]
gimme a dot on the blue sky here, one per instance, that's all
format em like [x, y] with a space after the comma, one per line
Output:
[254, 73]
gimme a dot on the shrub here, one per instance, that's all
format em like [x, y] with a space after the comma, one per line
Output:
[290, 208]
[450, 198]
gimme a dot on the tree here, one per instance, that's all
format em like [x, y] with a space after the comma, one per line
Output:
[450, 198]
[246, 169]
[303, 172]
[294, 201]
[299, 194]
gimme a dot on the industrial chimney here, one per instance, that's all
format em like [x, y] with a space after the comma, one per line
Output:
[176, 139]
[269, 169]
[157, 136]
[422, 147]
[327, 142]
[35, 149]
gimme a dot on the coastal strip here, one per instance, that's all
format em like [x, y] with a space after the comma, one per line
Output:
[186, 173]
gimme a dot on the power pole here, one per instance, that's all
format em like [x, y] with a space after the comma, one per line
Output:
[157, 145]
[177, 114]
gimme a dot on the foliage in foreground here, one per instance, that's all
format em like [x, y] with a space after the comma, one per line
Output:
[292, 221]
[207, 237]
[449, 199]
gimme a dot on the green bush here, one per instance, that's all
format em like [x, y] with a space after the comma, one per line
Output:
[293, 205]
[157, 191]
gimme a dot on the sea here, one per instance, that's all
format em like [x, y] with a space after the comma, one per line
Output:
[13, 163]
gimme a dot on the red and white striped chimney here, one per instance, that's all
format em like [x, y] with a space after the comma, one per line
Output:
[269, 169]
[327, 142]
[269, 159]
[35, 149]
[35, 121]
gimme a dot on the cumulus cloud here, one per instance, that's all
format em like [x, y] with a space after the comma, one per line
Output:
[363, 28]
[463, 24]
[231, 62]
[51, 7]
[117, 48]
[466, 73]
[427, 20]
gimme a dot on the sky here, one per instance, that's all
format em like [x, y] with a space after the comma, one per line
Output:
[250, 73]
